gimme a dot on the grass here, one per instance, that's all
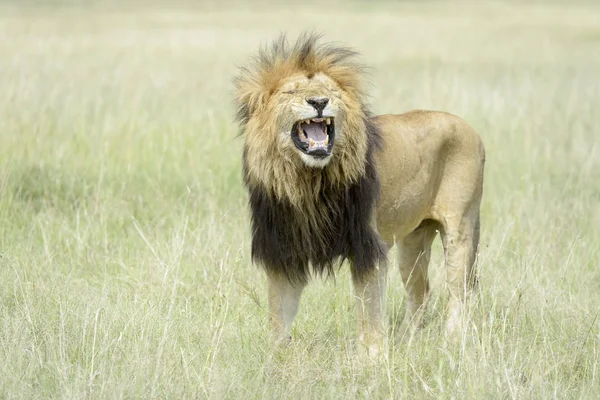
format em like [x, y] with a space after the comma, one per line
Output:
[124, 241]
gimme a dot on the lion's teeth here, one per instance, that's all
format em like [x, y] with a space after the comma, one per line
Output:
[302, 134]
[327, 140]
[328, 121]
[311, 143]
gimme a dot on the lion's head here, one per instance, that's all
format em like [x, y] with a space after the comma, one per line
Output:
[303, 118]
[308, 159]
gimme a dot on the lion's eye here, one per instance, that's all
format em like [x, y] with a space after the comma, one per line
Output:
[290, 92]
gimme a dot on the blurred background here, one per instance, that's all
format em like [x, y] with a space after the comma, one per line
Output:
[124, 238]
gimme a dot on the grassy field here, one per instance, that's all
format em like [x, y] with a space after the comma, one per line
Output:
[124, 238]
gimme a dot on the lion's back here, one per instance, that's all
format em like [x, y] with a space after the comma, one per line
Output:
[431, 134]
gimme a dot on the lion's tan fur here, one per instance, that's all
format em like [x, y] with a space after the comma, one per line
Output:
[430, 167]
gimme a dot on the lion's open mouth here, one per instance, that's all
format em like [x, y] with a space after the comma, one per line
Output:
[314, 136]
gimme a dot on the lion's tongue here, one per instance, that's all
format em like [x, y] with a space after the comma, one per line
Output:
[315, 131]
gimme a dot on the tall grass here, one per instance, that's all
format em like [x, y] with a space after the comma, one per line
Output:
[124, 239]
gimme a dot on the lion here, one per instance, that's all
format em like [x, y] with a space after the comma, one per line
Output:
[329, 182]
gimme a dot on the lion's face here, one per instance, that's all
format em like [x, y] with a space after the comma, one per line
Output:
[303, 119]
[309, 114]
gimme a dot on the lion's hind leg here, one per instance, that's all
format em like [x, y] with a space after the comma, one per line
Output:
[461, 241]
[414, 253]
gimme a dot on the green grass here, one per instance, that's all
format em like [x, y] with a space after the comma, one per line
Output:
[124, 239]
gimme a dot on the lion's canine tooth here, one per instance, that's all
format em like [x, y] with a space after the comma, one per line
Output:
[328, 121]
[327, 140]
[311, 143]
[301, 132]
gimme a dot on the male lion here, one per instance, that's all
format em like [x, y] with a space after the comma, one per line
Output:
[328, 182]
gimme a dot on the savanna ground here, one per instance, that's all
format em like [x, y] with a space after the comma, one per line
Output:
[124, 239]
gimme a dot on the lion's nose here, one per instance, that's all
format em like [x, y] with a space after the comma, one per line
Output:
[318, 103]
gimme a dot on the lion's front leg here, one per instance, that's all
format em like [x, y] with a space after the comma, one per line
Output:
[370, 302]
[284, 298]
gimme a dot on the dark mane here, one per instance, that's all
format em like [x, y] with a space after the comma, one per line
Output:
[284, 241]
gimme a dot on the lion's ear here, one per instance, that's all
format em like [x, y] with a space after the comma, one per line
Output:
[250, 97]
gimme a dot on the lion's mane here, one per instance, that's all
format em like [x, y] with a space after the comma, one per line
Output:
[302, 216]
